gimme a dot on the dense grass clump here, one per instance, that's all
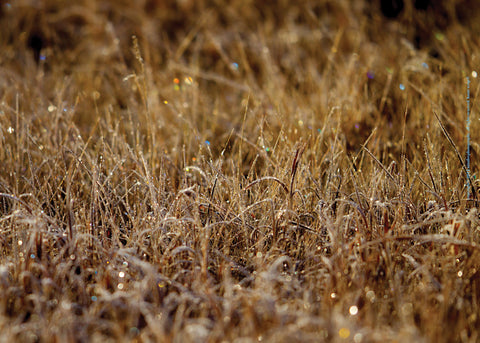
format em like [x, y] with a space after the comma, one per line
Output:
[243, 171]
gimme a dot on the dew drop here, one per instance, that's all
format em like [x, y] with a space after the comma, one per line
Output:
[439, 36]
[353, 310]
[358, 338]
[344, 333]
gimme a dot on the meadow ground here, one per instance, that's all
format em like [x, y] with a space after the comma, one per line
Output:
[209, 170]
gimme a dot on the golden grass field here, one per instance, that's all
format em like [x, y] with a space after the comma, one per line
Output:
[241, 171]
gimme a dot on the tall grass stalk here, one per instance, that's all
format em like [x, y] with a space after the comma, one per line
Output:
[239, 171]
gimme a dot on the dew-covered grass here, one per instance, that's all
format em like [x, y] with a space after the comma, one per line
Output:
[209, 171]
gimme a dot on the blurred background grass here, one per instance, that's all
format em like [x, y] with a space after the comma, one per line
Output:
[194, 170]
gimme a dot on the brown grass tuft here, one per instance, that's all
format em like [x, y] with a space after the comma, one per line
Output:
[238, 171]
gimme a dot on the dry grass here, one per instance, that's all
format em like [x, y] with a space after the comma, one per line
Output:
[237, 170]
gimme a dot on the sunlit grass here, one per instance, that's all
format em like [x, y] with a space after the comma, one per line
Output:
[197, 171]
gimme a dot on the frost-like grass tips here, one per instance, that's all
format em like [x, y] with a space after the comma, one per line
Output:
[238, 171]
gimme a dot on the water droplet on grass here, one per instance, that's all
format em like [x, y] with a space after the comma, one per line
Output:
[358, 338]
[353, 310]
[439, 36]
[344, 333]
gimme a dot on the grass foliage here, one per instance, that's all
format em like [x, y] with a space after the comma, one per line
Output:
[237, 170]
